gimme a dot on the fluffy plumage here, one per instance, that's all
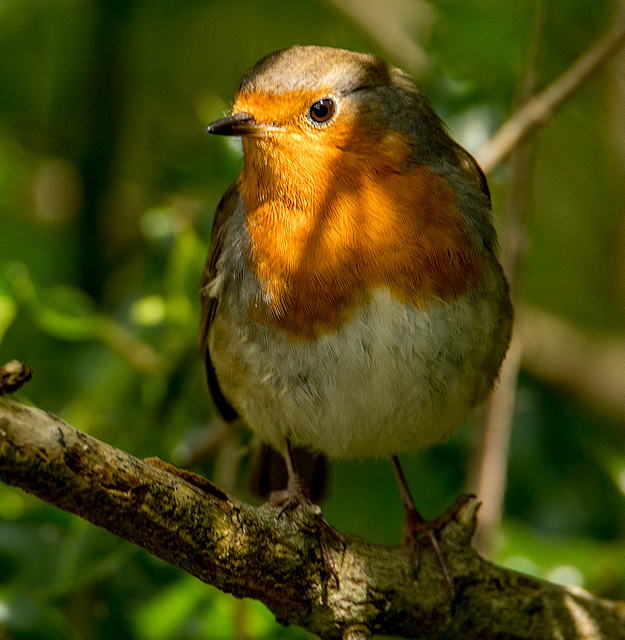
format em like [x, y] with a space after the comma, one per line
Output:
[352, 300]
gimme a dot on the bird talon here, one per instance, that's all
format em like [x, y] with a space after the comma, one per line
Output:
[296, 495]
[415, 527]
[293, 496]
[324, 530]
[328, 563]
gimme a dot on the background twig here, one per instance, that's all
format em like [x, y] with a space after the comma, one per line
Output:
[541, 107]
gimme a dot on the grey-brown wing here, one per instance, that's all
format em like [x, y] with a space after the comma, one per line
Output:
[225, 209]
[470, 167]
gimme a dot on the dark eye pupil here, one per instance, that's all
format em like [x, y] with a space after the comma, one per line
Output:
[322, 110]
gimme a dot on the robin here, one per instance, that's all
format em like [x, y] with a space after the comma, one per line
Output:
[352, 300]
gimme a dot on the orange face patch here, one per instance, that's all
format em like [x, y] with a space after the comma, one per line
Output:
[270, 109]
[331, 223]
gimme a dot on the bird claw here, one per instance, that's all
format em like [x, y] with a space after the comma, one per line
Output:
[297, 495]
[416, 527]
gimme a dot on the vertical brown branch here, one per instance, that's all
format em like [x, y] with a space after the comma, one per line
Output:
[105, 94]
[489, 472]
[490, 469]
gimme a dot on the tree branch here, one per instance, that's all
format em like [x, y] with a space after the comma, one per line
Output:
[537, 110]
[253, 552]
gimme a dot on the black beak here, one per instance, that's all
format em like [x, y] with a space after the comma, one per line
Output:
[238, 124]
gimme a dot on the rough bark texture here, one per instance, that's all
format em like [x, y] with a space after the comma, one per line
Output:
[253, 552]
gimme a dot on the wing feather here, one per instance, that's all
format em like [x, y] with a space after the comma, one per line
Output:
[224, 210]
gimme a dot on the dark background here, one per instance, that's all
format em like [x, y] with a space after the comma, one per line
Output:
[107, 190]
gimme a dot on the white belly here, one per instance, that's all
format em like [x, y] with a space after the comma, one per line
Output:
[394, 378]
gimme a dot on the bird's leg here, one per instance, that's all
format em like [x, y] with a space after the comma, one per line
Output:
[296, 494]
[416, 526]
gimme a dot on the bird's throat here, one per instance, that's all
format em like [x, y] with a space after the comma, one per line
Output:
[322, 244]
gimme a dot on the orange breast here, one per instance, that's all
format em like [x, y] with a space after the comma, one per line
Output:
[320, 248]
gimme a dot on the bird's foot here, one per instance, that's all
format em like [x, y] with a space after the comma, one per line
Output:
[296, 495]
[416, 528]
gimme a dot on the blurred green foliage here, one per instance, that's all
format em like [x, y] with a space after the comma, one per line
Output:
[107, 191]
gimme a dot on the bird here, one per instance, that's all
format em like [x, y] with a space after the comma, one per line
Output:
[353, 303]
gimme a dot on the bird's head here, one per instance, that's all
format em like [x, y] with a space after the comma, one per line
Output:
[302, 110]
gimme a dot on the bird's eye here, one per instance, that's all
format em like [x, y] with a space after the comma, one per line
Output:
[322, 110]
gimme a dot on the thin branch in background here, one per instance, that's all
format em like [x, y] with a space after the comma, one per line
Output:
[490, 469]
[539, 109]
[397, 25]
[489, 472]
